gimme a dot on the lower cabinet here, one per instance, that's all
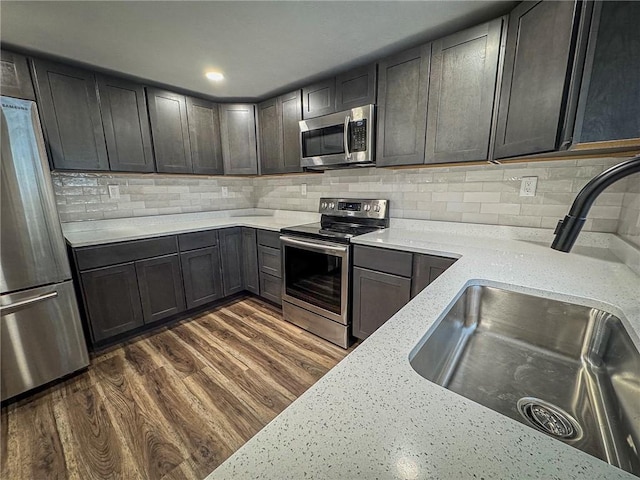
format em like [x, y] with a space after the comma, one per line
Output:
[385, 280]
[160, 285]
[122, 297]
[270, 266]
[202, 276]
[377, 297]
[112, 300]
[250, 260]
[231, 258]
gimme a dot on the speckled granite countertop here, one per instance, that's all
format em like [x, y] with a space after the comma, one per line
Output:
[83, 234]
[373, 416]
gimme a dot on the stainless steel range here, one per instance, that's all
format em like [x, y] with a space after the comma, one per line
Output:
[316, 269]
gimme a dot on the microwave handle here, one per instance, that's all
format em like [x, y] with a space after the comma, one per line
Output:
[347, 153]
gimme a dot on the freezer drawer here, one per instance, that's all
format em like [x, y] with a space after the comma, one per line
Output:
[41, 338]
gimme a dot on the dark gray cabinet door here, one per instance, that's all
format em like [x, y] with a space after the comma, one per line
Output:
[70, 114]
[231, 257]
[426, 268]
[112, 300]
[280, 134]
[403, 84]
[204, 136]
[610, 99]
[291, 113]
[462, 92]
[15, 80]
[376, 298]
[238, 135]
[126, 125]
[537, 69]
[270, 122]
[319, 98]
[160, 285]
[271, 288]
[202, 276]
[250, 260]
[356, 87]
[170, 130]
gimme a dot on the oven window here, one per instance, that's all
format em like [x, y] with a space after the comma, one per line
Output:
[314, 278]
[323, 141]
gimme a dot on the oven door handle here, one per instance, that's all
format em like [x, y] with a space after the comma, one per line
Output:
[316, 247]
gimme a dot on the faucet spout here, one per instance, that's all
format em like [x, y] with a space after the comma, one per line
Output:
[568, 229]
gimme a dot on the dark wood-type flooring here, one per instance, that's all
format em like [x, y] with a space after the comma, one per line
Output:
[173, 404]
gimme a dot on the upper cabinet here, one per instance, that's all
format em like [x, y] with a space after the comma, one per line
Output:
[186, 133]
[170, 128]
[280, 133]
[204, 136]
[536, 82]
[609, 108]
[403, 85]
[15, 80]
[238, 136]
[70, 114]
[351, 89]
[356, 87]
[462, 92]
[126, 125]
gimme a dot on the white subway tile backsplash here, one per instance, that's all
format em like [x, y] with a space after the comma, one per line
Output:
[477, 193]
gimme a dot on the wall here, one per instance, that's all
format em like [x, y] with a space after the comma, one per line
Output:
[84, 196]
[629, 226]
[476, 194]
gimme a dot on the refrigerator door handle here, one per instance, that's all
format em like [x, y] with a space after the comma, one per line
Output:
[14, 307]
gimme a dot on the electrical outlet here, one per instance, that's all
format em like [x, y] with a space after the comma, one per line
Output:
[114, 191]
[225, 192]
[528, 186]
[303, 189]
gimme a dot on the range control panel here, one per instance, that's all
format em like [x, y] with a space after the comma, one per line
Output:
[354, 207]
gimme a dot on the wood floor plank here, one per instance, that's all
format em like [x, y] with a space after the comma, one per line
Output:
[315, 365]
[172, 404]
[45, 455]
[175, 355]
[260, 392]
[100, 451]
[208, 449]
[283, 373]
[148, 441]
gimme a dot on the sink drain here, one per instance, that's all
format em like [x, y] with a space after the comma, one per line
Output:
[549, 419]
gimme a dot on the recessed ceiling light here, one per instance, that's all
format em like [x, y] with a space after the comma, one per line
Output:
[214, 76]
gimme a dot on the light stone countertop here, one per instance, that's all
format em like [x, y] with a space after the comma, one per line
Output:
[83, 234]
[373, 416]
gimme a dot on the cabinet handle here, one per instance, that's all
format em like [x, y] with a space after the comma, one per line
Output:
[14, 307]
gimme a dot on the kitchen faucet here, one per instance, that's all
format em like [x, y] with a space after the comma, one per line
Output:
[568, 229]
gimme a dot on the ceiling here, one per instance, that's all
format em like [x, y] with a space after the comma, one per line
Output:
[263, 47]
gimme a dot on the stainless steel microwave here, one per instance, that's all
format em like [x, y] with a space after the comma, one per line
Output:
[339, 140]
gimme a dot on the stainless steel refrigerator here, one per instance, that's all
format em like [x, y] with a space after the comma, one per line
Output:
[41, 337]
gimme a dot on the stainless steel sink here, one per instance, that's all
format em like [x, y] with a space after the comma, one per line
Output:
[567, 370]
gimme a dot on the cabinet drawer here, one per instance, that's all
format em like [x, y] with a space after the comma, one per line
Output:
[383, 260]
[191, 241]
[269, 239]
[114, 253]
[270, 261]
[271, 288]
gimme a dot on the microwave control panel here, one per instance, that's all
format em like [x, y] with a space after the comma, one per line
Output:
[359, 136]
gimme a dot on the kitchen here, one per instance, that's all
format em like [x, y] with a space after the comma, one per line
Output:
[176, 198]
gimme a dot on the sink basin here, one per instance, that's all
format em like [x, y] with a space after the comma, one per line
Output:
[567, 370]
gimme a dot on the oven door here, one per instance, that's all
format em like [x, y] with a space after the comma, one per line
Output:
[316, 276]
